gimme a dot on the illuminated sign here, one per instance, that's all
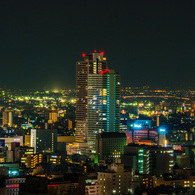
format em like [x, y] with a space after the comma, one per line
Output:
[137, 126]
[162, 130]
[14, 186]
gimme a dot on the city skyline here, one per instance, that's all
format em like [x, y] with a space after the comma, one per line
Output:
[53, 141]
[148, 43]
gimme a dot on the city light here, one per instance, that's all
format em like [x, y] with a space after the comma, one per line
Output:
[53, 185]
[104, 71]
[137, 126]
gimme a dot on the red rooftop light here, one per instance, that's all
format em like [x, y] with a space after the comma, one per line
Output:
[95, 51]
[104, 71]
[102, 53]
[83, 54]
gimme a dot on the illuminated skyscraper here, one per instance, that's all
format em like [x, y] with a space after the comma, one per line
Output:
[98, 94]
[103, 111]
[91, 64]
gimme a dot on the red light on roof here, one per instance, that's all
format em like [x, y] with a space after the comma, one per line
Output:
[83, 54]
[95, 51]
[104, 71]
[102, 53]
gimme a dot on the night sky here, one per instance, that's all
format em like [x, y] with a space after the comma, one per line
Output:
[148, 42]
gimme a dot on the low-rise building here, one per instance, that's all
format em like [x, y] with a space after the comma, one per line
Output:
[115, 181]
[11, 186]
[190, 182]
[93, 189]
[55, 159]
[9, 140]
[33, 159]
[110, 145]
[13, 170]
[150, 159]
[44, 140]
[24, 152]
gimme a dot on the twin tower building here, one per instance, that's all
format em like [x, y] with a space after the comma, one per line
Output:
[98, 99]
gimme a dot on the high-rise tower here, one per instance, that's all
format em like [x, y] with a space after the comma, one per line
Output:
[91, 64]
[103, 111]
[98, 94]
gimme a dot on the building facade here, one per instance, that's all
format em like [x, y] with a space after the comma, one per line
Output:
[93, 189]
[7, 118]
[150, 159]
[44, 140]
[110, 145]
[115, 181]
